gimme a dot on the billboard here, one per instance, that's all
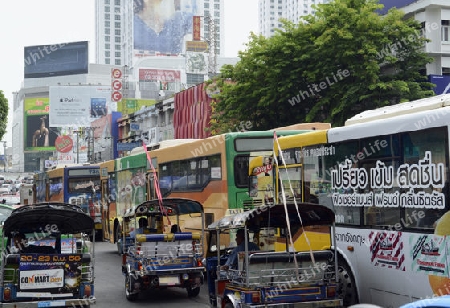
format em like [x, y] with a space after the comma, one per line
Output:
[148, 74]
[131, 105]
[78, 105]
[162, 29]
[196, 63]
[38, 135]
[388, 4]
[56, 60]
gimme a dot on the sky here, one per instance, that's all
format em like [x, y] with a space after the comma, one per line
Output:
[31, 22]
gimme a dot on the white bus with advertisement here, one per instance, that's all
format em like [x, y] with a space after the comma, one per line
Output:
[386, 176]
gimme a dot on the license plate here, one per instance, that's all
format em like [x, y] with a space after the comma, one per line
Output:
[169, 280]
[51, 304]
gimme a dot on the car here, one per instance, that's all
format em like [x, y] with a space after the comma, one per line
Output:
[5, 212]
[5, 189]
[435, 302]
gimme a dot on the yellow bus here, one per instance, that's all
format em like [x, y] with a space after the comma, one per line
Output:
[386, 176]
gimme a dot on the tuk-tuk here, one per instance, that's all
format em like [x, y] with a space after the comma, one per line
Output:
[264, 277]
[48, 260]
[158, 258]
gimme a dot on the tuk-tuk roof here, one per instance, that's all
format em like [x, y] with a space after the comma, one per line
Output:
[67, 218]
[178, 206]
[275, 216]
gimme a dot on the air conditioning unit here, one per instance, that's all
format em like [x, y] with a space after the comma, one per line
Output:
[154, 135]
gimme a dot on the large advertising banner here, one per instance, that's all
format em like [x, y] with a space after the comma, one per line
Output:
[78, 105]
[38, 135]
[163, 27]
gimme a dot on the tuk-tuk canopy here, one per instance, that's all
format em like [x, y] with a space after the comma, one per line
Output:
[172, 207]
[275, 216]
[43, 217]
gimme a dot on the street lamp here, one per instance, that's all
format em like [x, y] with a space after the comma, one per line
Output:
[78, 150]
[4, 156]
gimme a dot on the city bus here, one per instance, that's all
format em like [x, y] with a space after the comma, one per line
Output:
[73, 184]
[212, 171]
[386, 176]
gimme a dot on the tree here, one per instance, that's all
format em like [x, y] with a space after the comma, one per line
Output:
[3, 114]
[344, 59]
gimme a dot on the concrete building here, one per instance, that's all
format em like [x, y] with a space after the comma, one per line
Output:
[36, 91]
[434, 15]
[270, 11]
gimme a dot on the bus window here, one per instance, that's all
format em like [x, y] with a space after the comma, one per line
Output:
[416, 144]
[241, 165]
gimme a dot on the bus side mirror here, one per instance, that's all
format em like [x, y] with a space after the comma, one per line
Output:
[253, 186]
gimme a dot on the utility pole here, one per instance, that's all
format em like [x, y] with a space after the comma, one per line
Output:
[78, 144]
[90, 136]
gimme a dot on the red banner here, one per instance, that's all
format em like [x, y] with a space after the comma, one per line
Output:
[196, 23]
[159, 75]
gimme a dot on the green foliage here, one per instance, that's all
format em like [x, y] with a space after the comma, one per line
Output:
[3, 114]
[344, 59]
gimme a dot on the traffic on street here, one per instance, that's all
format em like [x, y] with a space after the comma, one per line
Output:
[110, 291]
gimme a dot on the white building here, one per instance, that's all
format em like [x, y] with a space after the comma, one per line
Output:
[270, 11]
[434, 15]
[435, 18]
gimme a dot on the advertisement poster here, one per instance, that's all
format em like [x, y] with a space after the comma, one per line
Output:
[39, 271]
[163, 29]
[429, 254]
[78, 105]
[262, 181]
[387, 249]
[38, 135]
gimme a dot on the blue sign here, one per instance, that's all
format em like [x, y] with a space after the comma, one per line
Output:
[388, 4]
[442, 83]
[128, 146]
[134, 126]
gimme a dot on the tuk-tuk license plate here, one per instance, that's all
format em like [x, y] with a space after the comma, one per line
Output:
[51, 303]
[169, 280]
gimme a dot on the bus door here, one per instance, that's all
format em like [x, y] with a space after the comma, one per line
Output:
[104, 210]
[151, 187]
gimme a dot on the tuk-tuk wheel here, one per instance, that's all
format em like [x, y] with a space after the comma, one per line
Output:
[193, 292]
[129, 282]
[229, 305]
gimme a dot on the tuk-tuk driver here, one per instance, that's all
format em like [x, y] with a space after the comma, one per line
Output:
[233, 257]
[20, 242]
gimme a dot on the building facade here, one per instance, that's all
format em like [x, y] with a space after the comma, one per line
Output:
[270, 11]
[434, 16]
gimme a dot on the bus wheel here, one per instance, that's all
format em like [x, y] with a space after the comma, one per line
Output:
[129, 282]
[347, 286]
